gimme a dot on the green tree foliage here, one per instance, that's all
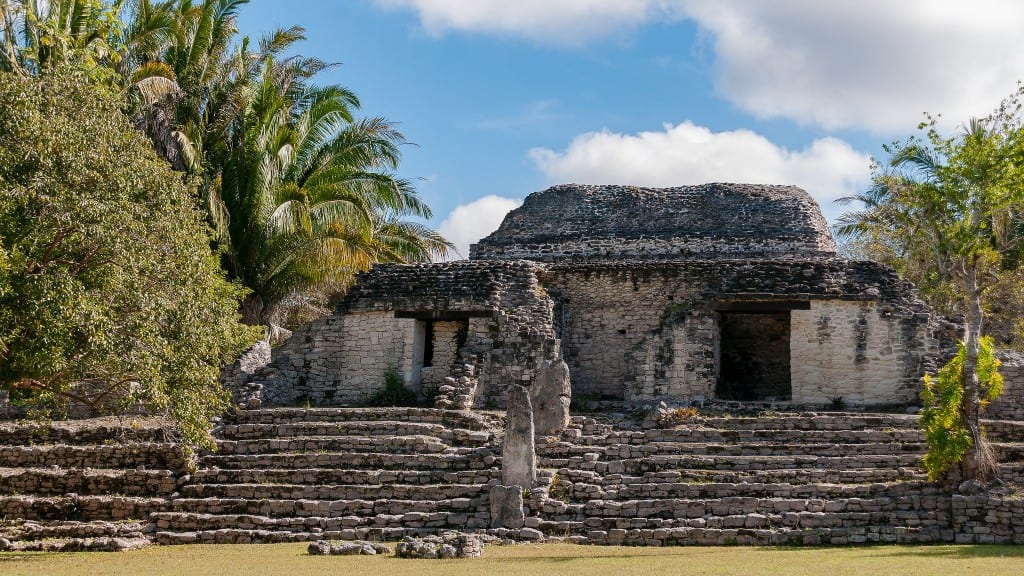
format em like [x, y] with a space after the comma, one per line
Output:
[301, 192]
[113, 297]
[947, 434]
[953, 207]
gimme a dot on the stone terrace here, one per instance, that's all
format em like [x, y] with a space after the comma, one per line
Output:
[85, 485]
[296, 474]
[837, 478]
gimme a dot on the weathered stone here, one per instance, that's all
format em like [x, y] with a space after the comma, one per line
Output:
[446, 545]
[319, 548]
[550, 395]
[518, 459]
[507, 507]
[688, 294]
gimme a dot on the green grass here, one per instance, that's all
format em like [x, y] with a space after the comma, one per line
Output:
[521, 560]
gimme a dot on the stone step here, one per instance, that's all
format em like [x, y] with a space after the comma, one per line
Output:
[580, 492]
[26, 530]
[55, 481]
[626, 451]
[788, 476]
[109, 430]
[79, 508]
[1008, 451]
[417, 444]
[315, 476]
[810, 421]
[447, 434]
[682, 508]
[157, 455]
[292, 508]
[774, 536]
[334, 491]
[1012, 472]
[438, 520]
[453, 418]
[450, 460]
[1004, 430]
[636, 466]
[712, 435]
[263, 536]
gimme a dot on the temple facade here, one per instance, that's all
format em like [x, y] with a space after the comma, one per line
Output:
[689, 294]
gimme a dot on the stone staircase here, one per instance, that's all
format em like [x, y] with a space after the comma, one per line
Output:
[294, 474]
[85, 486]
[779, 479]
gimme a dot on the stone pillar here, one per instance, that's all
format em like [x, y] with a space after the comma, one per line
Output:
[507, 507]
[518, 462]
[550, 395]
[518, 458]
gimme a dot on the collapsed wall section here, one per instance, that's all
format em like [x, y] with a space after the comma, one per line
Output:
[465, 330]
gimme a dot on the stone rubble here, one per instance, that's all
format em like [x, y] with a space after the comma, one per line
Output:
[443, 546]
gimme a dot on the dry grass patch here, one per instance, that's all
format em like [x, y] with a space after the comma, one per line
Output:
[522, 560]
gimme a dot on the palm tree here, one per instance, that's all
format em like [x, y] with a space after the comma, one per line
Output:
[40, 34]
[306, 195]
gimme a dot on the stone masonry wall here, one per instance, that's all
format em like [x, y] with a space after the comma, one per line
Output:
[342, 359]
[446, 353]
[1010, 405]
[859, 352]
[649, 331]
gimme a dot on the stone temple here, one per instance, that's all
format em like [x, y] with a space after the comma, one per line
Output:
[728, 296]
[718, 292]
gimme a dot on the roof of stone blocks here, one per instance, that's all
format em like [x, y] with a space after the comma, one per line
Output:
[575, 222]
[462, 285]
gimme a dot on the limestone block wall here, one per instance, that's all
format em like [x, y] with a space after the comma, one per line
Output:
[857, 351]
[606, 318]
[650, 331]
[446, 352]
[1010, 405]
[496, 309]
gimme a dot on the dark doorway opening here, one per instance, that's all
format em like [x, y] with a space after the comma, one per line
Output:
[428, 343]
[754, 356]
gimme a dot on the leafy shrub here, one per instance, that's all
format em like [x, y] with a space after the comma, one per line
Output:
[942, 417]
[109, 294]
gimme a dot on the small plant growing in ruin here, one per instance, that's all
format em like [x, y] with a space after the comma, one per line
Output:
[394, 393]
[946, 431]
[677, 416]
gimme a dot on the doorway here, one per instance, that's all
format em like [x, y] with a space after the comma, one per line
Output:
[754, 363]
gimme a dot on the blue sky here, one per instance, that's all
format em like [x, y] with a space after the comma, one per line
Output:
[506, 97]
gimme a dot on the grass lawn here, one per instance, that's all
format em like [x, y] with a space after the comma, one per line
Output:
[519, 560]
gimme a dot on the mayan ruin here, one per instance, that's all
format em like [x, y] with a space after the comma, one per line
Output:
[613, 365]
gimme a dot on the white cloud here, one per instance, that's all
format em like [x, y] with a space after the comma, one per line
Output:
[870, 64]
[467, 223]
[874, 64]
[688, 154]
[547, 21]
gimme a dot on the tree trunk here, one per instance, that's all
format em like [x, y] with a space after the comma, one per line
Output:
[979, 462]
[252, 310]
